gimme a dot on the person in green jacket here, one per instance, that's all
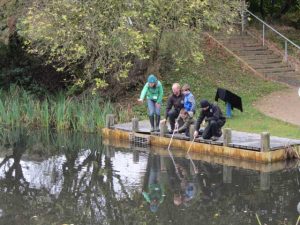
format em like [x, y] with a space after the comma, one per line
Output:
[153, 90]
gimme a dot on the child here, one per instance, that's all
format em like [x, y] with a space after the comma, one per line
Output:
[189, 100]
[183, 122]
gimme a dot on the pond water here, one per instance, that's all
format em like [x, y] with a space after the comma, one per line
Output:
[74, 178]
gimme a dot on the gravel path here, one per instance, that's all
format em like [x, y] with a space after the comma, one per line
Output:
[283, 105]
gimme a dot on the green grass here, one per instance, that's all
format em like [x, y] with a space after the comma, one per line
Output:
[221, 70]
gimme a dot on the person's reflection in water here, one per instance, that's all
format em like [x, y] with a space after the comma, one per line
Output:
[155, 195]
[183, 183]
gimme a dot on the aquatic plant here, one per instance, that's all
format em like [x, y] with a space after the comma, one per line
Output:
[85, 113]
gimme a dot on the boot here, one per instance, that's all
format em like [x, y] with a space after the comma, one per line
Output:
[157, 122]
[151, 118]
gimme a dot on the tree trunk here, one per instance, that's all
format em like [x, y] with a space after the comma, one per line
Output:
[262, 11]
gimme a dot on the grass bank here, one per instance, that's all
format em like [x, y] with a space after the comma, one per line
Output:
[222, 70]
[87, 114]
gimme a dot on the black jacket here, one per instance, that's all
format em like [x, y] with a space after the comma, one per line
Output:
[228, 96]
[175, 102]
[212, 113]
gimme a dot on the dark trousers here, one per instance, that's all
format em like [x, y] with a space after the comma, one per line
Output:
[173, 114]
[213, 129]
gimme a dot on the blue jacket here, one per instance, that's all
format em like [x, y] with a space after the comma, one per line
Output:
[189, 102]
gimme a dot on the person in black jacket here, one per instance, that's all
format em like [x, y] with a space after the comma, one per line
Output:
[213, 114]
[174, 105]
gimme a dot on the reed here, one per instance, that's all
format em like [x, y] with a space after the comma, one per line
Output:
[87, 113]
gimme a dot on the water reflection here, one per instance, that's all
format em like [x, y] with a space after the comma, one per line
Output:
[72, 178]
[154, 190]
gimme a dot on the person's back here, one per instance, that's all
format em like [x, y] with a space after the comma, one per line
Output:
[215, 113]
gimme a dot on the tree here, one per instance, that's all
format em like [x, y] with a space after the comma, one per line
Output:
[97, 41]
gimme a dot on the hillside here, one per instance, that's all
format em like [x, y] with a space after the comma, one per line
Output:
[221, 70]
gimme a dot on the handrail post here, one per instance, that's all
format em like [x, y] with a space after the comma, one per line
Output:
[285, 51]
[243, 15]
[263, 35]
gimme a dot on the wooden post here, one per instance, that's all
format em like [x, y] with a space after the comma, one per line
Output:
[110, 120]
[192, 130]
[136, 156]
[135, 124]
[227, 137]
[163, 128]
[265, 181]
[109, 151]
[162, 164]
[227, 174]
[265, 142]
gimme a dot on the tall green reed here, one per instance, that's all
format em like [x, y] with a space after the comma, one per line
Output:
[85, 113]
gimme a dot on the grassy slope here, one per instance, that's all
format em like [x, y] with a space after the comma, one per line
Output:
[221, 70]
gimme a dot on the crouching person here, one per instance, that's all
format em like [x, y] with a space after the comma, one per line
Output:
[214, 116]
[183, 122]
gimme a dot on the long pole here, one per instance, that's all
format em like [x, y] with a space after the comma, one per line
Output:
[171, 155]
[191, 145]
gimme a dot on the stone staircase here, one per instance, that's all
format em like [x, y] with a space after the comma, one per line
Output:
[260, 59]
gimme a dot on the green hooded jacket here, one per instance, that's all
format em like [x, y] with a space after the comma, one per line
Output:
[156, 93]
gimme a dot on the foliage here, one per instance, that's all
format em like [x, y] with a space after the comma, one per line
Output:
[274, 9]
[97, 41]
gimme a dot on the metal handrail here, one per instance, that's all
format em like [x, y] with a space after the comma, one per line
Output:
[263, 34]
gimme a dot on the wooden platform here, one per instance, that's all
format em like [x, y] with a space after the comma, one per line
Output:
[243, 145]
[243, 140]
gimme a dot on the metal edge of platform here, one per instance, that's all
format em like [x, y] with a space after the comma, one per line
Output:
[207, 148]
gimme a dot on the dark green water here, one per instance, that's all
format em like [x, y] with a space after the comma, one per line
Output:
[72, 178]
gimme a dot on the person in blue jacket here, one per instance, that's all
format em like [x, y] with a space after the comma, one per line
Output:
[189, 100]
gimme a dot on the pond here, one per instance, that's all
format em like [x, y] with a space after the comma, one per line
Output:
[74, 178]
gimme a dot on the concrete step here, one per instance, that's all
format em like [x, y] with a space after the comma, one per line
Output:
[236, 40]
[263, 61]
[291, 74]
[231, 36]
[240, 42]
[248, 48]
[290, 78]
[268, 65]
[253, 53]
[275, 70]
[260, 57]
